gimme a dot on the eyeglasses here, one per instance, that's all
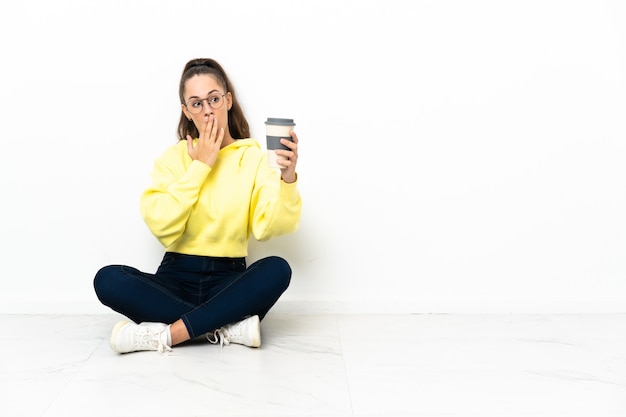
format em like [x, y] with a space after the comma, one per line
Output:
[214, 100]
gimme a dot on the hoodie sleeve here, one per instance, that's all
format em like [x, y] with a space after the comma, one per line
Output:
[166, 205]
[276, 206]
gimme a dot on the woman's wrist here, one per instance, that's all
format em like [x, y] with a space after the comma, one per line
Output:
[290, 179]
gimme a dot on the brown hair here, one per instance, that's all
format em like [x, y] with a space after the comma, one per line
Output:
[237, 123]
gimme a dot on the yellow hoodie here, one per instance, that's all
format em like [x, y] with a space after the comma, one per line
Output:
[211, 211]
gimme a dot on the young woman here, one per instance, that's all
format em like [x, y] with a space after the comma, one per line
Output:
[210, 192]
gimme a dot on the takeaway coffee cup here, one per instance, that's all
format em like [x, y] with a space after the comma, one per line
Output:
[275, 130]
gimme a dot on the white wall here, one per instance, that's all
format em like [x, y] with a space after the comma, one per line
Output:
[456, 156]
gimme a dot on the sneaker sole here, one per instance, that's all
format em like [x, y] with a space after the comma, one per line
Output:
[114, 332]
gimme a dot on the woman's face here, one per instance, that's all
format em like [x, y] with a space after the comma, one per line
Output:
[199, 91]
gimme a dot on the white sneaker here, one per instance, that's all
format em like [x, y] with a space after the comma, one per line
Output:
[245, 332]
[130, 337]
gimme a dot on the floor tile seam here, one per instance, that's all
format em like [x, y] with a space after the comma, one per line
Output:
[345, 365]
[72, 378]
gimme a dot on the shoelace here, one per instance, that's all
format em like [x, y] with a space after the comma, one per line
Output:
[148, 338]
[219, 335]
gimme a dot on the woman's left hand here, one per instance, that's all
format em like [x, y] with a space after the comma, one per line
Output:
[288, 166]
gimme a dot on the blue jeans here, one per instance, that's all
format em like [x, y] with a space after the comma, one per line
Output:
[205, 292]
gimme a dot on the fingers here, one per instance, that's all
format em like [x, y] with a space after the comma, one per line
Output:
[189, 145]
[209, 121]
[288, 166]
[215, 132]
[292, 144]
[209, 143]
[211, 132]
[220, 138]
[294, 137]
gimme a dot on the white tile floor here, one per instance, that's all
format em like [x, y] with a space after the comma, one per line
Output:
[325, 365]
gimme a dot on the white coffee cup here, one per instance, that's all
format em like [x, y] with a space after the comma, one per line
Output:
[275, 130]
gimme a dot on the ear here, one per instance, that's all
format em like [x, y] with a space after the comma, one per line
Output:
[229, 100]
[187, 114]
